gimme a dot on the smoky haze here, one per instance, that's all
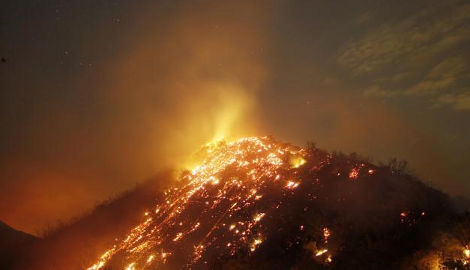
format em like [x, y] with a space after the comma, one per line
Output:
[100, 96]
[173, 82]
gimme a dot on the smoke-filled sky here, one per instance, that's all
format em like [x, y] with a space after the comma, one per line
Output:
[96, 96]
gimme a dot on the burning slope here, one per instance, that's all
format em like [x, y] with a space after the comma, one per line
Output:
[257, 203]
[217, 210]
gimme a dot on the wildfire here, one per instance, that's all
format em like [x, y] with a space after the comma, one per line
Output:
[225, 187]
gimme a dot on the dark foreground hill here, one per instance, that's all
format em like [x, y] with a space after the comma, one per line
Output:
[12, 242]
[69, 245]
[257, 203]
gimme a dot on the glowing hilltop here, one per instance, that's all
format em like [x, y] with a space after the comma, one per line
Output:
[257, 197]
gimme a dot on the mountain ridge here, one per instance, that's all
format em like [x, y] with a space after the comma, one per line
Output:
[302, 208]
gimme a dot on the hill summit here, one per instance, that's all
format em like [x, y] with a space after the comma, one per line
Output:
[257, 203]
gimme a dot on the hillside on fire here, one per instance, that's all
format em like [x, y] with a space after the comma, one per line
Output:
[257, 203]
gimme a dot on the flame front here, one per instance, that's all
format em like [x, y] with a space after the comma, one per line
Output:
[215, 208]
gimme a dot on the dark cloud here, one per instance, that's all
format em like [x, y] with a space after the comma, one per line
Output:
[460, 101]
[423, 55]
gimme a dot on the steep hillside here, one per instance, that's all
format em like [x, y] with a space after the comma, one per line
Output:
[258, 203]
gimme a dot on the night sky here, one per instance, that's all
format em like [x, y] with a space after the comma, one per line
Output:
[96, 96]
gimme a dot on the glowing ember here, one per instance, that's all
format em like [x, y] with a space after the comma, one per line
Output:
[258, 217]
[354, 174]
[297, 161]
[321, 252]
[292, 184]
[131, 266]
[326, 234]
[256, 242]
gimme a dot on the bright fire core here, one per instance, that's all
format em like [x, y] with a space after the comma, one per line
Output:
[218, 208]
